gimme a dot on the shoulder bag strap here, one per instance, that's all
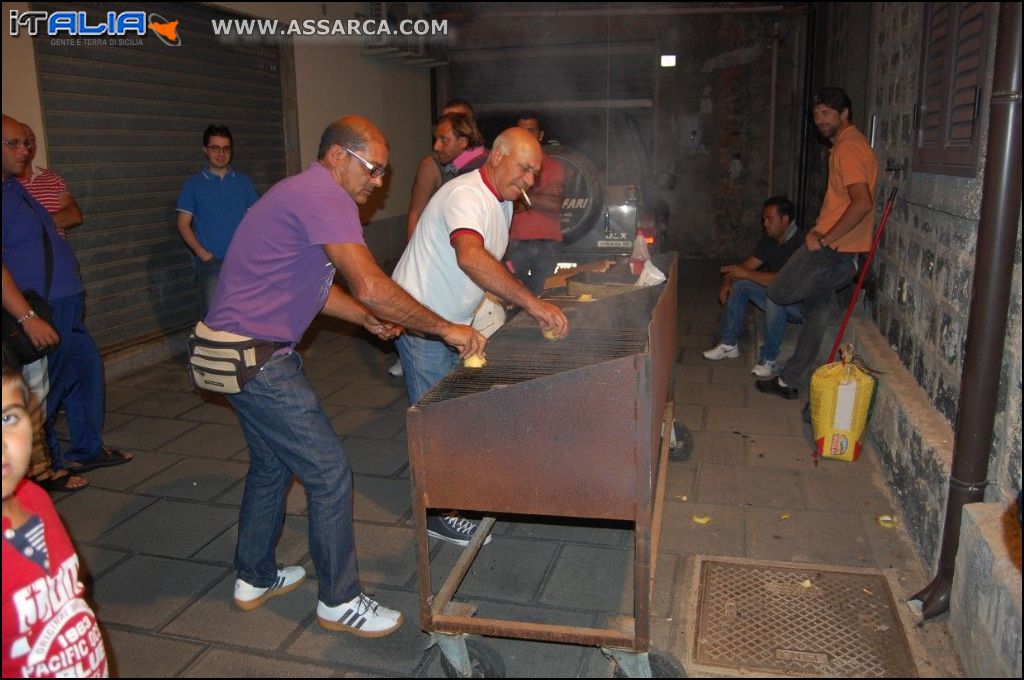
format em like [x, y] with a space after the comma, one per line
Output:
[47, 249]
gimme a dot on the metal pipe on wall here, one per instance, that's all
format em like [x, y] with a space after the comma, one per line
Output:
[771, 109]
[804, 135]
[990, 299]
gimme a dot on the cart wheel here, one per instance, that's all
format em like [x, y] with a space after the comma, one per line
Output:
[485, 662]
[683, 449]
[663, 665]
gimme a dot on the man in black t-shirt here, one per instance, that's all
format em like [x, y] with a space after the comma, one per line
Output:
[748, 282]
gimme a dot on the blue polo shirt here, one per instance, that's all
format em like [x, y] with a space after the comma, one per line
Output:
[23, 254]
[217, 205]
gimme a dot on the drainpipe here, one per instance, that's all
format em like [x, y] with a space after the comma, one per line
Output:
[990, 298]
[805, 124]
[771, 109]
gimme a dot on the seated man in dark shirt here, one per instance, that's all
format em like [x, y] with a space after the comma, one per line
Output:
[748, 282]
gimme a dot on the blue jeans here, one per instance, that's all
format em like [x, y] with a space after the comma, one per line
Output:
[208, 274]
[811, 278]
[424, 361]
[534, 261]
[775, 317]
[289, 435]
[76, 385]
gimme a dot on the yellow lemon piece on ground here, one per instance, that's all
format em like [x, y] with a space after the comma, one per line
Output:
[785, 515]
[475, 361]
[586, 297]
[887, 521]
[550, 335]
[701, 519]
[806, 583]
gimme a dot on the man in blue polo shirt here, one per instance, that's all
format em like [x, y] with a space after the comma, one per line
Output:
[75, 367]
[211, 204]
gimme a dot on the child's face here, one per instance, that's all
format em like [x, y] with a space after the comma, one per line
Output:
[17, 436]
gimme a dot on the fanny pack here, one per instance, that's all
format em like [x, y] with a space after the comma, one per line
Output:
[223, 362]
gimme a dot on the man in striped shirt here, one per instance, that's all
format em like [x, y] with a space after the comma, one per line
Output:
[50, 189]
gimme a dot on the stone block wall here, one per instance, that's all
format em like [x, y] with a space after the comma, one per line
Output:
[985, 607]
[922, 275]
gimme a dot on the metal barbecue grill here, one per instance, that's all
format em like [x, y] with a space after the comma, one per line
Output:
[568, 428]
[521, 354]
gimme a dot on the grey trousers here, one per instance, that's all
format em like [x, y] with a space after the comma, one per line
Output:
[810, 278]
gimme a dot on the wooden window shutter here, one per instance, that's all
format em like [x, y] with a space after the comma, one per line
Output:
[934, 67]
[953, 69]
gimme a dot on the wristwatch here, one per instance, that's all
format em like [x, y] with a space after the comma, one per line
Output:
[31, 314]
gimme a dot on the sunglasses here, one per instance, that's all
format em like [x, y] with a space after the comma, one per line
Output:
[376, 171]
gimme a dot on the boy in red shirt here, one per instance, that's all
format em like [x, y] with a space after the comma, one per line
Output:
[48, 629]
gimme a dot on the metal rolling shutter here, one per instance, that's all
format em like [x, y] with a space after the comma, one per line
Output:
[124, 127]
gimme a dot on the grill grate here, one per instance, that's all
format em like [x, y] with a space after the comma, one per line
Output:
[515, 355]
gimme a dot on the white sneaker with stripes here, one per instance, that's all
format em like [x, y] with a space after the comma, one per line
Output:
[248, 597]
[361, 616]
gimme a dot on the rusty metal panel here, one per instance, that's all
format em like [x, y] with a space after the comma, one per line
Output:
[662, 350]
[531, 448]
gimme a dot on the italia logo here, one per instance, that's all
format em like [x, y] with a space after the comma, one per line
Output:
[78, 25]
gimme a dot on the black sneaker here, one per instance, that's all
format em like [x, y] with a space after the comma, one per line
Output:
[452, 528]
[775, 386]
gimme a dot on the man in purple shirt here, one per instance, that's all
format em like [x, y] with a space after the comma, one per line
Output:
[277, 275]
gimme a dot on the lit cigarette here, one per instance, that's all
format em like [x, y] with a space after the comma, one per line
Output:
[525, 198]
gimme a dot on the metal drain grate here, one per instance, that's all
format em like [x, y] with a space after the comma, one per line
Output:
[780, 620]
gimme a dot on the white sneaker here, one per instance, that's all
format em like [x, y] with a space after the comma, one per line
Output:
[719, 352]
[396, 369]
[764, 369]
[359, 616]
[248, 597]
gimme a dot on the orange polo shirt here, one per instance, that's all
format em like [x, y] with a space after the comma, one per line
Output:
[851, 161]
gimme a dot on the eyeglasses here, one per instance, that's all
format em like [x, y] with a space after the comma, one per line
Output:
[376, 171]
[217, 149]
[15, 143]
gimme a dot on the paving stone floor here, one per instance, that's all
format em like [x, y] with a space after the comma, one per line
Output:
[157, 535]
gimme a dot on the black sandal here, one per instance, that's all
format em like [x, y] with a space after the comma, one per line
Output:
[61, 483]
[105, 458]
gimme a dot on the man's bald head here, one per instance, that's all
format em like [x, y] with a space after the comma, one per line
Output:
[516, 138]
[355, 152]
[350, 132]
[15, 150]
[514, 163]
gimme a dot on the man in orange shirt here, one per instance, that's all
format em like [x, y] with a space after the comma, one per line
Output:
[827, 261]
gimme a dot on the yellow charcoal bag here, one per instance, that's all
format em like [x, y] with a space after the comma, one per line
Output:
[841, 394]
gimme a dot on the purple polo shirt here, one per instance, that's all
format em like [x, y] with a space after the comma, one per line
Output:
[276, 275]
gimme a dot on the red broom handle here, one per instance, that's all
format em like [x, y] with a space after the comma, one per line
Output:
[863, 273]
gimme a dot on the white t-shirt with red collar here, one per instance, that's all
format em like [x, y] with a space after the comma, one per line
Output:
[429, 270]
